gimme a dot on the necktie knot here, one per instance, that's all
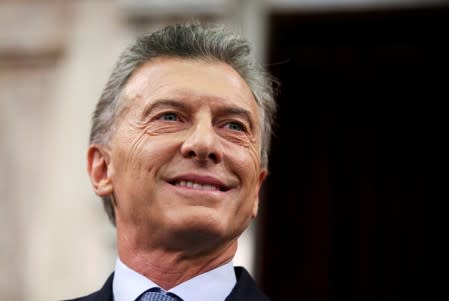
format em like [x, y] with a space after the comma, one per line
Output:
[156, 294]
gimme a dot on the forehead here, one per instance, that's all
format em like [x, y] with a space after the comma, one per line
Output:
[190, 81]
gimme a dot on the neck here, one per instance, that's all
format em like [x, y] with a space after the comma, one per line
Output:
[168, 268]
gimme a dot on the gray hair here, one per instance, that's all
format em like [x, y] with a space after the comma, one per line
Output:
[189, 41]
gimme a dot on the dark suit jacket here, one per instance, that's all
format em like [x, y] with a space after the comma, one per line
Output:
[244, 290]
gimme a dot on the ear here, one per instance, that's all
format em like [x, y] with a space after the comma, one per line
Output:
[98, 167]
[262, 175]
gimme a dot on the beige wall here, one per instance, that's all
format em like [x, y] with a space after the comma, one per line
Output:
[54, 60]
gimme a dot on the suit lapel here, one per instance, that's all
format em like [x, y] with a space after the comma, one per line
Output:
[245, 289]
[105, 293]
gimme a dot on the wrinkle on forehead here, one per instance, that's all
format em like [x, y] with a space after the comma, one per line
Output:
[163, 68]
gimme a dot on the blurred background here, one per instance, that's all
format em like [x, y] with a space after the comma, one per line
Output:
[348, 209]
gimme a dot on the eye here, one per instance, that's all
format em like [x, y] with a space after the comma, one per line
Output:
[169, 117]
[235, 126]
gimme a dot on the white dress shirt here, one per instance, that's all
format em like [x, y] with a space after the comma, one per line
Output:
[214, 285]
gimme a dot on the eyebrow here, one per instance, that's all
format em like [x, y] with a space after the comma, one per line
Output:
[237, 111]
[165, 103]
[222, 110]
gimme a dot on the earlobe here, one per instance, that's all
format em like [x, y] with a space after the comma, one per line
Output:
[98, 159]
[262, 175]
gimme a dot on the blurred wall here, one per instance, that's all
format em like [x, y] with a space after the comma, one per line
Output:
[54, 60]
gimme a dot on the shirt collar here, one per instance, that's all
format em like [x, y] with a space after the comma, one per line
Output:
[215, 284]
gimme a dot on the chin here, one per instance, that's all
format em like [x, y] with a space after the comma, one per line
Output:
[202, 233]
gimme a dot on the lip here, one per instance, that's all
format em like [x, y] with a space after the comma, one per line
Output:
[201, 179]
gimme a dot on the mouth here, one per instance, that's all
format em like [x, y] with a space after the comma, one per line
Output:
[204, 183]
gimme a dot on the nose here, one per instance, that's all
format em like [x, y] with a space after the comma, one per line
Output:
[201, 143]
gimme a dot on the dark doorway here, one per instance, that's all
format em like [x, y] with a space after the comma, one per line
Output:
[348, 212]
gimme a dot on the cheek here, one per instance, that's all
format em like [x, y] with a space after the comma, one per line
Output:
[247, 166]
[150, 153]
[144, 145]
[245, 161]
[136, 169]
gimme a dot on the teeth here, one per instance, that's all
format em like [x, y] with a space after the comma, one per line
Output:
[194, 185]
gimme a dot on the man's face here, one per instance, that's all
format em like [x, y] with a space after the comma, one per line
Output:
[184, 161]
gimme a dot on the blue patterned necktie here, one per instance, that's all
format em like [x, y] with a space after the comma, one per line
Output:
[156, 294]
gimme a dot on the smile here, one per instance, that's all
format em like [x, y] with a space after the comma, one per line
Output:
[199, 182]
[194, 185]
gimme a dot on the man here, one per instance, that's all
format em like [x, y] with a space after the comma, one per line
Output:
[178, 153]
